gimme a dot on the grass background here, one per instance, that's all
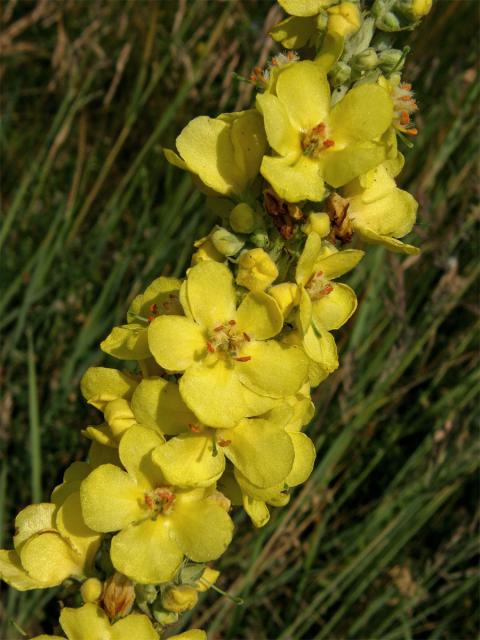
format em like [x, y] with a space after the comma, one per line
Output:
[382, 542]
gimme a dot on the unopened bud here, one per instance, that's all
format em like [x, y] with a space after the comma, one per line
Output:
[256, 270]
[118, 596]
[260, 239]
[340, 74]
[225, 242]
[165, 618]
[420, 8]
[91, 590]
[242, 218]
[286, 295]
[318, 222]
[344, 19]
[390, 59]
[388, 22]
[366, 60]
[208, 577]
[179, 598]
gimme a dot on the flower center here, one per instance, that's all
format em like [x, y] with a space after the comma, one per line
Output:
[227, 339]
[315, 141]
[318, 286]
[160, 500]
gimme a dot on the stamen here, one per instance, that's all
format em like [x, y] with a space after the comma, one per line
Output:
[243, 358]
[246, 336]
[232, 322]
[224, 443]
[328, 143]
[219, 328]
[210, 347]
[194, 428]
[154, 308]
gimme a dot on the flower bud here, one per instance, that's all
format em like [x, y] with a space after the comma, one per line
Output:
[420, 8]
[91, 590]
[205, 251]
[318, 222]
[225, 242]
[179, 598]
[208, 577]
[344, 19]
[388, 22]
[389, 59]
[340, 74]
[257, 270]
[242, 218]
[260, 239]
[118, 596]
[119, 416]
[366, 60]
[165, 618]
[286, 295]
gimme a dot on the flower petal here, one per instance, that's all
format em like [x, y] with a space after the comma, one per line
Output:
[146, 552]
[12, 572]
[88, 621]
[110, 499]
[342, 166]
[282, 136]
[259, 316]
[333, 310]
[257, 510]
[162, 292]
[135, 449]
[33, 519]
[372, 237]
[201, 528]
[262, 451]
[303, 7]
[48, 558]
[135, 625]
[175, 342]
[188, 460]
[320, 346]
[210, 292]
[249, 144]
[308, 257]
[304, 91]
[364, 113]
[158, 404]
[100, 385]
[214, 393]
[207, 150]
[303, 461]
[127, 342]
[274, 370]
[336, 264]
[300, 181]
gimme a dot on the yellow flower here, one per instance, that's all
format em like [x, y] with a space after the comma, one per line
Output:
[51, 544]
[224, 153]
[158, 524]
[91, 590]
[379, 211]
[179, 598]
[229, 361]
[315, 143]
[325, 305]
[91, 623]
[344, 19]
[242, 218]
[256, 270]
[101, 385]
[318, 222]
[129, 341]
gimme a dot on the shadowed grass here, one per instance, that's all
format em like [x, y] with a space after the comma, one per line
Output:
[381, 542]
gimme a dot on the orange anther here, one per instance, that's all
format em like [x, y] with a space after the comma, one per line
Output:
[328, 288]
[411, 132]
[246, 336]
[223, 443]
[407, 86]
[404, 118]
[154, 308]
[194, 428]
[243, 358]
[210, 347]
[232, 322]
[328, 143]
[319, 128]
[219, 328]
[151, 318]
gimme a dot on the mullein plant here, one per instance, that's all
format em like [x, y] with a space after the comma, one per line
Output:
[227, 356]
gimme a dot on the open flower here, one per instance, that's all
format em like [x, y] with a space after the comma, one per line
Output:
[325, 305]
[91, 622]
[379, 211]
[224, 153]
[129, 341]
[229, 361]
[315, 143]
[51, 543]
[158, 523]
